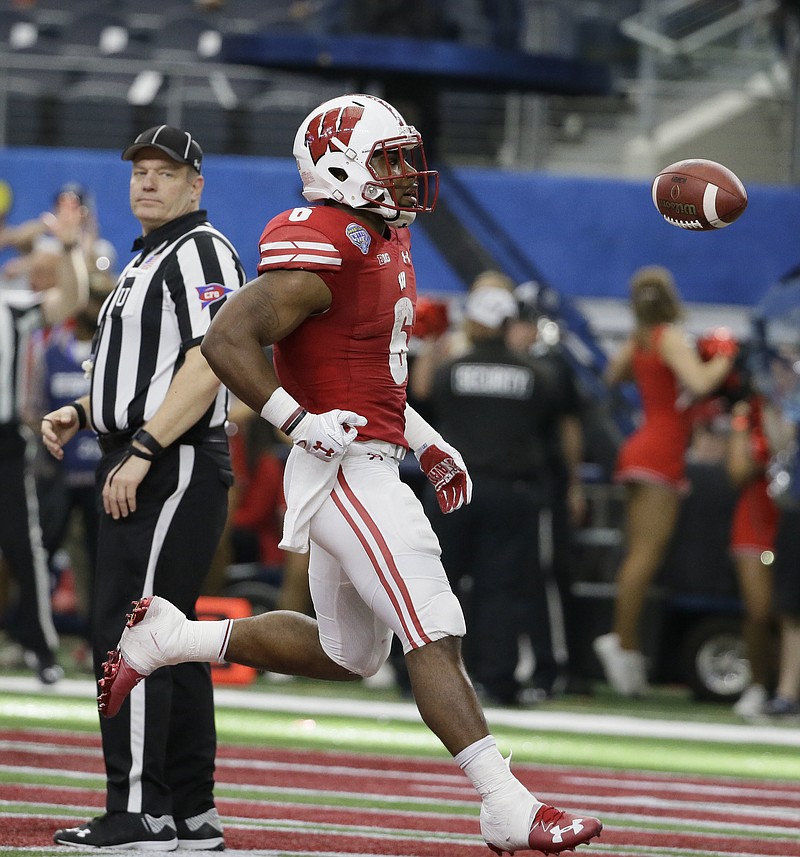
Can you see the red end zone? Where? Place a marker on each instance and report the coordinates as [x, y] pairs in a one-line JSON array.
[[301, 802]]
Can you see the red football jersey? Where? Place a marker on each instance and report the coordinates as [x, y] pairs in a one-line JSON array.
[[354, 356]]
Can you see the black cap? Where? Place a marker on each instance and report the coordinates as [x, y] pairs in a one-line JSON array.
[[179, 145]]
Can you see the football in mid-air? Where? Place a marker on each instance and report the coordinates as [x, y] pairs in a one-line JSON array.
[[699, 195]]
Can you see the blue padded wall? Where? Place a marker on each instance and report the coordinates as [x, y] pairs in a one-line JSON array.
[[583, 236]]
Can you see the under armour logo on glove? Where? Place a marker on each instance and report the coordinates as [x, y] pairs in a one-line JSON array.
[[446, 471], [327, 436]]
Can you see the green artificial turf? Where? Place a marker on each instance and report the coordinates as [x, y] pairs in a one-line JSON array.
[[369, 734]]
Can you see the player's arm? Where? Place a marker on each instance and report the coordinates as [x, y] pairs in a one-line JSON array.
[[261, 313], [698, 376]]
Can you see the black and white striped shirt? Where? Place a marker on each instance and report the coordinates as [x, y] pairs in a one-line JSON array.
[[161, 307], [20, 316]]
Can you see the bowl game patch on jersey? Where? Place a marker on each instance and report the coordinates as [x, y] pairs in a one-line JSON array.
[[359, 236]]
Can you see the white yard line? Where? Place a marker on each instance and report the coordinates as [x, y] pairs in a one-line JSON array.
[[543, 721]]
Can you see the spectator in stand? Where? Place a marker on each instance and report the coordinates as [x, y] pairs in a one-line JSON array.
[[667, 371]]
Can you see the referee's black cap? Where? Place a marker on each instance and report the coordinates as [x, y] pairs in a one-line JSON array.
[[179, 145]]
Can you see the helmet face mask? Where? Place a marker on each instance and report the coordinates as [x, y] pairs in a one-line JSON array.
[[357, 150]]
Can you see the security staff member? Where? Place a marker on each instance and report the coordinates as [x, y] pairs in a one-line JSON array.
[[567, 501], [495, 404], [21, 313], [159, 412]]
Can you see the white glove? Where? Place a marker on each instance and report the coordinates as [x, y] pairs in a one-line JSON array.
[[325, 436]]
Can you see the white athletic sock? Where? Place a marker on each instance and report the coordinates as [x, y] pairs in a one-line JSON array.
[[208, 640], [489, 772]]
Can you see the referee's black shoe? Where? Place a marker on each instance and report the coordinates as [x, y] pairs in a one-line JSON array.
[[201, 832], [122, 831]]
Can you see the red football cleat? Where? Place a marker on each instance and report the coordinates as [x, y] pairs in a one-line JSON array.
[[554, 831], [119, 678]]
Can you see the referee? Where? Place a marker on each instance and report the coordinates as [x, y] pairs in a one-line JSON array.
[[22, 312], [159, 412]]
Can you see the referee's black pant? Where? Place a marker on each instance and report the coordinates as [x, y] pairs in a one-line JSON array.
[[30, 621], [159, 750]]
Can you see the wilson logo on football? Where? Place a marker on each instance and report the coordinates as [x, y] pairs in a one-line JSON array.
[[325, 126]]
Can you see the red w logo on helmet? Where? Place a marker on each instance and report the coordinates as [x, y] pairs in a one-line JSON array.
[[335, 123]]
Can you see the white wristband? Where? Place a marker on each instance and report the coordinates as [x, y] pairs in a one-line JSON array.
[[419, 433], [283, 411]]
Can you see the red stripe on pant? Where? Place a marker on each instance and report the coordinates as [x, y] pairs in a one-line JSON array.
[[373, 528]]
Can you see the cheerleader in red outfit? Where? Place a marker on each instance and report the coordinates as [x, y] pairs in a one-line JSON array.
[[755, 523], [667, 371]]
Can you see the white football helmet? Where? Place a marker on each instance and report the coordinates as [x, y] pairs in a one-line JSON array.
[[359, 151]]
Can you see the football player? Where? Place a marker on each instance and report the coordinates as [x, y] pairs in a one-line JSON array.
[[335, 297]]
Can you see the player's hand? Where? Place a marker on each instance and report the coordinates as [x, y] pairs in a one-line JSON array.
[[119, 490], [446, 471], [327, 436], [57, 428]]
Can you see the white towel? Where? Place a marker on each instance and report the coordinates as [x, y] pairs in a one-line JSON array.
[[307, 484]]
